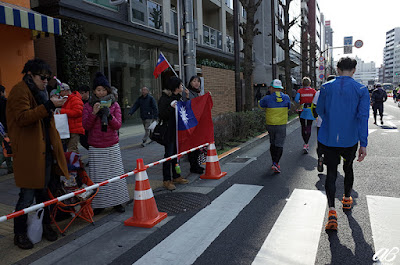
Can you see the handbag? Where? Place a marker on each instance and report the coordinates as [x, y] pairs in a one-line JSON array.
[[62, 126], [35, 226], [160, 132]]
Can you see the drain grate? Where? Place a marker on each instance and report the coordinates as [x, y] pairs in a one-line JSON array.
[[240, 160], [180, 202]]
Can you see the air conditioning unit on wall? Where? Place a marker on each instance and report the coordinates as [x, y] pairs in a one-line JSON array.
[[117, 2]]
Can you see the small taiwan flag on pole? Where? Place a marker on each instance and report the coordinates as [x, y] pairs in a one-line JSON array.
[[162, 64]]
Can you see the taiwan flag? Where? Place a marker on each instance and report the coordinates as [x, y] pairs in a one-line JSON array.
[[195, 126], [162, 64]]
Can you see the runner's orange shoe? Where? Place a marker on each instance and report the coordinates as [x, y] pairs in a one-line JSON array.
[[332, 221], [347, 203]]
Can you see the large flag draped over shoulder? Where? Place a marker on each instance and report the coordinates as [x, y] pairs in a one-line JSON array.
[[162, 64], [195, 126]]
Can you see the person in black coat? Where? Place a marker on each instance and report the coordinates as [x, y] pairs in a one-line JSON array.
[[166, 107], [148, 111], [377, 98], [3, 102]]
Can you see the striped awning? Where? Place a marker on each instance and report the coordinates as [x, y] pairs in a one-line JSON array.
[[26, 18]]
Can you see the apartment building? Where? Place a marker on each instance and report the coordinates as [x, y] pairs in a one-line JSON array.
[[264, 43], [392, 40], [396, 65], [366, 72]]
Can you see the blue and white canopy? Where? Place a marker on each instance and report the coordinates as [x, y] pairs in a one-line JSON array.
[[26, 18]]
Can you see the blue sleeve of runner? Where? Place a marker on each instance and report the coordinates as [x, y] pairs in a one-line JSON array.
[[297, 98], [362, 116]]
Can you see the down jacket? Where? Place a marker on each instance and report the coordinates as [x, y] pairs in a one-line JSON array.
[[73, 107], [27, 134], [92, 124]]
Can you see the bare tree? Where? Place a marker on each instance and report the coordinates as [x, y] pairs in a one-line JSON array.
[[285, 44], [247, 33]]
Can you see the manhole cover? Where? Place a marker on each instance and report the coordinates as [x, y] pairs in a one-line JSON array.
[[180, 202], [240, 160]]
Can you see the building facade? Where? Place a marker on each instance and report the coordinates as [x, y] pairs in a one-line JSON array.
[[124, 41], [21, 27], [392, 40], [366, 73]]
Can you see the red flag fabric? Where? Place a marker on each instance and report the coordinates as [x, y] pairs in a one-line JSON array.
[[162, 64], [195, 126]]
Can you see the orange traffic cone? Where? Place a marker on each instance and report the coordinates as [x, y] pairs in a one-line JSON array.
[[145, 212], [213, 170]]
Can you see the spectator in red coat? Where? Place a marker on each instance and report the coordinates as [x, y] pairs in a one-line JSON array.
[[73, 107]]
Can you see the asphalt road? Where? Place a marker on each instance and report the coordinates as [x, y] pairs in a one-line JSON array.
[[269, 210]]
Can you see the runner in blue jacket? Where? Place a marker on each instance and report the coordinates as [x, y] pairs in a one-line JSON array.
[[343, 105]]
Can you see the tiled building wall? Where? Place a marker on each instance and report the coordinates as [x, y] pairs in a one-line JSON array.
[[221, 84]]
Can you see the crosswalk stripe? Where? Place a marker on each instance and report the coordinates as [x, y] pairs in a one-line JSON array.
[[384, 214], [190, 240], [295, 235]]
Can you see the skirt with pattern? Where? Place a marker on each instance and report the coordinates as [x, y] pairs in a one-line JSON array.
[[104, 164]]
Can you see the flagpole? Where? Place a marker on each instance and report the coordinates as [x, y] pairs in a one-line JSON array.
[[169, 64]]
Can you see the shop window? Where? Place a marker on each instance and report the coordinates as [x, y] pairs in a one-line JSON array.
[[154, 15], [103, 3]]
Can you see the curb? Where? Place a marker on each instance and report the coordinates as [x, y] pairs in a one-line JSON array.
[[247, 145]]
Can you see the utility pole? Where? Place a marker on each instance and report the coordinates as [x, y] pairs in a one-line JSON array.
[[190, 45], [273, 39], [236, 45]]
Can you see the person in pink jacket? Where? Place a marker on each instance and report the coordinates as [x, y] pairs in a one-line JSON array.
[[102, 119]]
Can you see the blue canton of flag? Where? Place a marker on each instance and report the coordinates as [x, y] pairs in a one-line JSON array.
[[186, 117]]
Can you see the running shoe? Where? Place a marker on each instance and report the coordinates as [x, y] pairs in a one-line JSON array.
[[332, 221], [305, 148], [347, 203], [381, 122], [276, 168]]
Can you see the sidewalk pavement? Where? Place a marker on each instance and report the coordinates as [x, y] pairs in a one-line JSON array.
[[131, 149]]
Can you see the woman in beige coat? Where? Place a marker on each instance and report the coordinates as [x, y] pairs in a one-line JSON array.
[[36, 145]]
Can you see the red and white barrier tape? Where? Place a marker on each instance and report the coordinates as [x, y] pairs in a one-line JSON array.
[[92, 187]]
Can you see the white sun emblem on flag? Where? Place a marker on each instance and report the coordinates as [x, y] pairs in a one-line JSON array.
[[184, 116]]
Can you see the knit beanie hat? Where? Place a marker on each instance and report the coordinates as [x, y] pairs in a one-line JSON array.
[[100, 80]]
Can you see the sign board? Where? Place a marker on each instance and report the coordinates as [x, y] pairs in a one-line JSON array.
[[348, 41], [321, 67], [321, 76], [348, 49], [327, 23], [358, 44], [321, 59]]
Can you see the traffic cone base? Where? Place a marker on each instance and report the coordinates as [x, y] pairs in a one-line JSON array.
[[213, 169], [145, 223], [145, 212]]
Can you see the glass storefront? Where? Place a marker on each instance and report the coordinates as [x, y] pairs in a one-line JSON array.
[[131, 66]]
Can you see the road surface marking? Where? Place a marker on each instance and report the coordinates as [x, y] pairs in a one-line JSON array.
[[384, 215], [295, 235], [190, 240]]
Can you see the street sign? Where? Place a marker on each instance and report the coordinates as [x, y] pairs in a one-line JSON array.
[[321, 76], [321, 67], [348, 41], [322, 58], [358, 44], [348, 49]]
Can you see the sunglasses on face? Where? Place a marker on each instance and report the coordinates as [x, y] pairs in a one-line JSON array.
[[43, 77]]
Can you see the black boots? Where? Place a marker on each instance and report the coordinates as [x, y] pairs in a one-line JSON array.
[[22, 241]]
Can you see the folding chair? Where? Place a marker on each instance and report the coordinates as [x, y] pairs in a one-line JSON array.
[[85, 211]]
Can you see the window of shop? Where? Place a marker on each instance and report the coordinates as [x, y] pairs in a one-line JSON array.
[[131, 64], [103, 3]]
